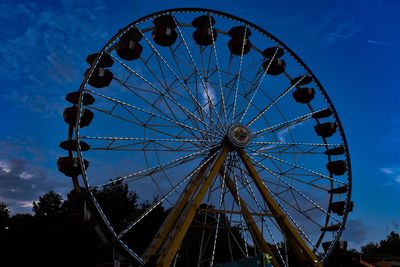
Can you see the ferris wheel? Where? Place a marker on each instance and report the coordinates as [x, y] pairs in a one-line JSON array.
[[225, 127]]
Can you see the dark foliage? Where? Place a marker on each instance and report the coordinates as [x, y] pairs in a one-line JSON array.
[[48, 238], [343, 258], [57, 235], [229, 243], [389, 247], [48, 205], [4, 214]]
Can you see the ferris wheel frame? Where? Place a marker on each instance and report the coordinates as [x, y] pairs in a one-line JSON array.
[[243, 156]]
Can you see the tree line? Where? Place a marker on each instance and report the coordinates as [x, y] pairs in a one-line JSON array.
[[54, 234], [51, 237]]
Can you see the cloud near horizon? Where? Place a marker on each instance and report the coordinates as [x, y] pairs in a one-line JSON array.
[[21, 184], [356, 232], [27, 171]]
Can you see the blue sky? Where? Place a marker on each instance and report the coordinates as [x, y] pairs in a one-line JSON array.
[[351, 46]]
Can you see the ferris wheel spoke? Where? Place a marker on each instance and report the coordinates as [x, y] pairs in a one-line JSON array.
[[186, 79], [248, 183], [290, 187], [210, 131], [198, 106], [180, 81], [229, 84], [290, 175], [254, 228], [294, 177], [247, 90], [180, 59], [169, 95], [210, 70], [155, 128], [141, 139], [126, 148], [221, 200], [229, 220], [274, 197], [153, 106], [239, 72], [289, 144], [281, 149], [156, 154], [165, 94], [286, 124], [272, 158], [276, 100], [240, 204], [205, 87], [283, 152], [258, 85], [250, 69], [141, 110], [217, 227], [298, 210], [164, 166], [297, 226], [260, 209], [245, 99], [221, 91], [143, 144], [164, 197]]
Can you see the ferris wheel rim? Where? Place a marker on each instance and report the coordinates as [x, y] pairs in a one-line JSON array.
[[228, 16]]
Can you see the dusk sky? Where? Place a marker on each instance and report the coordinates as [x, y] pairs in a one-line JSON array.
[[352, 46]]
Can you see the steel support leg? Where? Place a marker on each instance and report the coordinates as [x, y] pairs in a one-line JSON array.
[[304, 255], [254, 230], [174, 213], [175, 237]]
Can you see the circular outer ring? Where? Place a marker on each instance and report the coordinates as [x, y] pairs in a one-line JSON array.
[[126, 251]]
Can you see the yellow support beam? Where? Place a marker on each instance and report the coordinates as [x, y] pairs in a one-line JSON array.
[[302, 252], [174, 213], [254, 230], [174, 239]]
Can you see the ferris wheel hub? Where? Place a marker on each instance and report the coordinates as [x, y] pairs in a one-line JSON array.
[[238, 135]]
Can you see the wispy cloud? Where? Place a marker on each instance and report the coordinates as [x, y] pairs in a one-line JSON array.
[[26, 172], [393, 174], [19, 9], [208, 94], [22, 147], [21, 183], [336, 26], [393, 225], [377, 42], [46, 54], [283, 133], [356, 232]]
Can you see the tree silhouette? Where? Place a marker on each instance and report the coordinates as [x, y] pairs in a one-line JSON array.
[[48, 238], [389, 247], [48, 205], [343, 258], [201, 235], [4, 214], [118, 203], [370, 248], [52, 238]]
